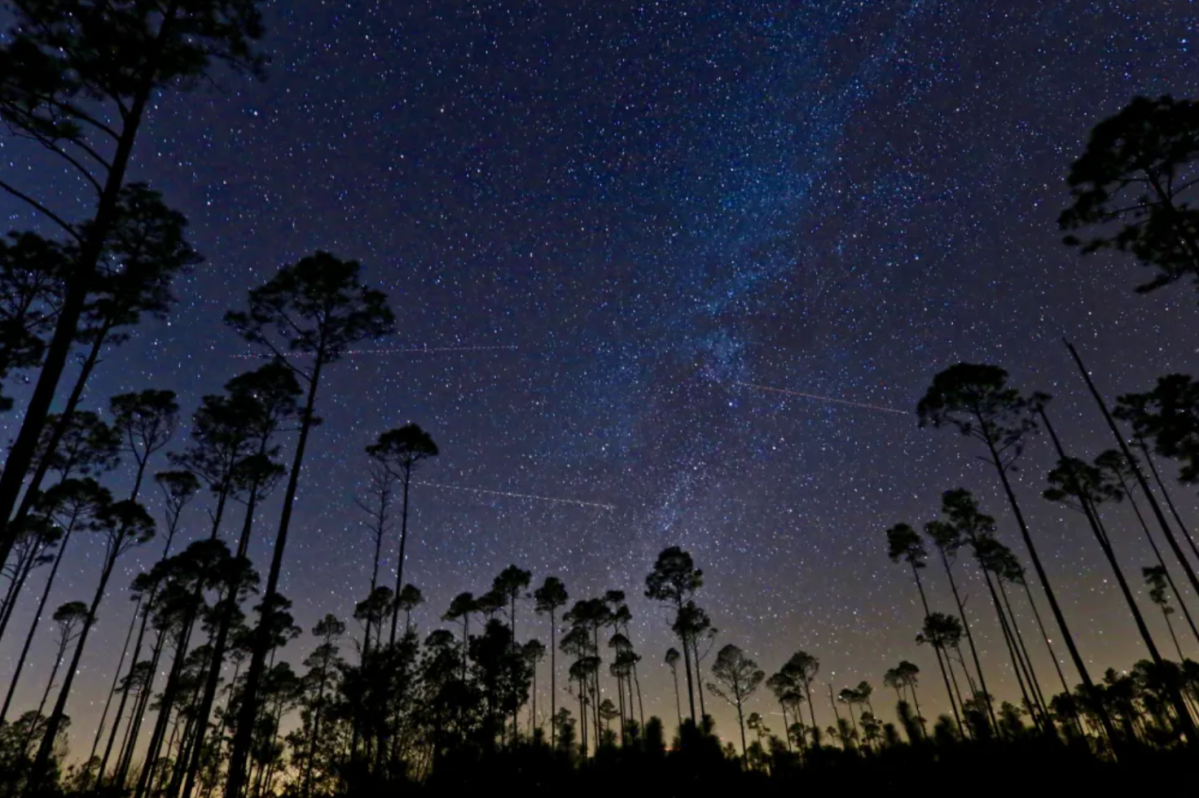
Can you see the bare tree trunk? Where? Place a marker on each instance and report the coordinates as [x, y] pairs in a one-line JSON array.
[[33, 626]]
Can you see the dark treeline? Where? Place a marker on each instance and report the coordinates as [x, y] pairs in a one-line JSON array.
[[204, 702]]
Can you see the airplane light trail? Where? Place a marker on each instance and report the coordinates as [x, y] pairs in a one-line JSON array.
[[819, 398], [511, 495], [400, 350]]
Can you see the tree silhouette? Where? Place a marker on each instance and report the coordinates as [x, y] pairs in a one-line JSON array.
[[31, 287], [83, 92], [146, 422], [69, 620], [378, 509], [263, 401], [948, 539], [672, 662], [461, 608], [86, 447], [904, 543], [144, 254], [178, 489], [401, 451], [674, 581], [1085, 483], [944, 633], [322, 665], [906, 676], [123, 525], [977, 401], [694, 623], [591, 615], [313, 310], [1155, 580], [1117, 473], [550, 598], [737, 678], [534, 652], [1134, 174]]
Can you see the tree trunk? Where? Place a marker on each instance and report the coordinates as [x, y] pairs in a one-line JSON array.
[[137, 650], [678, 707], [553, 683], [245, 725], [1030, 673], [221, 643], [699, 682], [937, 651], [167, 701], [1184, 715], [395, 610], [982, 679], [116, 678], [125, 758], [1132, 463], [1186, 532], [741, 723], [41, 764], [33, 626], [1079, 665], [1153, 544], [687, 667]]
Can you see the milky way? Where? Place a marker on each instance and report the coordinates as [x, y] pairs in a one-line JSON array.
[[596, 220]]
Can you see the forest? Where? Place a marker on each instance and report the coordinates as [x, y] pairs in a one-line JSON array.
[[205, 704]]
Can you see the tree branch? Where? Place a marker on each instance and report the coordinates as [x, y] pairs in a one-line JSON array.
[[51, 215]]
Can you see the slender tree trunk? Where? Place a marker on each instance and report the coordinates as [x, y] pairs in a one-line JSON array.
[[1186, 532], [116, 678], [936, 650], [919, 714], [553, 682], [953, 678], [982, 680], [1160, 560], [699, 682], [1174, 637], [395, 610], [1136, 469], [18, 671], [1079, 665], [41, 706], [20, 575], [220, 645], [166, 705], [1057, 666], [741, 723], [687, 667], [1030, 673], [1020, 662], [137, 650], [807, 686], [41, 764], [786, 728], [245, 726], [678, 707], [316, 729], [1188, 724], [125, 758], [620, 703]]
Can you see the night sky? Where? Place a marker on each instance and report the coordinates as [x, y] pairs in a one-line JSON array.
[[612, 219]]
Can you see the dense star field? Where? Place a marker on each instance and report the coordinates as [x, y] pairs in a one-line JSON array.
[[607, 228]]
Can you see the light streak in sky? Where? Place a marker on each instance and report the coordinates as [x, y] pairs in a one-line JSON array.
[[819, 398], [512, 495], [393, 351]]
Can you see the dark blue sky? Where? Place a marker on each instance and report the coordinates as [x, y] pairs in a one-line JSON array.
[[642, 209]]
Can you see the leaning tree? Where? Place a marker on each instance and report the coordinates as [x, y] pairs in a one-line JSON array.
[[307, 316]]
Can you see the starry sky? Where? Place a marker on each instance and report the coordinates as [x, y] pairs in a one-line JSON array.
[[611, 220]]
